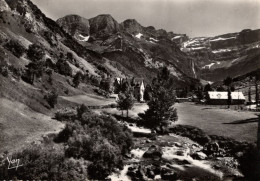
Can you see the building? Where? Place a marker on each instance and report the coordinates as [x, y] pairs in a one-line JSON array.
[[221, 98], [137, 85], [139, 91]]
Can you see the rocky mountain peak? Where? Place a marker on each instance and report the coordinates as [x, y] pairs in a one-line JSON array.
[[132, 26], [103, 25], [75, 25]]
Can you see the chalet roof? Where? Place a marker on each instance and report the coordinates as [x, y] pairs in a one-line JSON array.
[[224, 95]]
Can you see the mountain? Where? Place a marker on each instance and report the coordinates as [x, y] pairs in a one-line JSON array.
[[75, 25], [225, 55], [136, 50]]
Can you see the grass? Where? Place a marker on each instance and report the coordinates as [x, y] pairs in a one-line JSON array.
[[89, 100], [219, 121], [20, 125]]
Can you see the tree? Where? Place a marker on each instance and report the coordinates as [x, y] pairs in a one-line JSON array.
[[106, 85], [36, 67], [77, 79], [35, 52], [249, 95], [64, 67], [229, 101], [147, 93], [228, 81], [161, 110], [220, 89], [199, 93], [257, 78], [52, 98], [15, 47], [207, 88], [125, 101]]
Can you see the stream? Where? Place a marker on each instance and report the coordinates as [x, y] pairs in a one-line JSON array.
[[176, 157]]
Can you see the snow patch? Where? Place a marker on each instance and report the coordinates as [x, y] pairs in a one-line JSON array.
[[139, 35], [221, 50], [84, 38], [208, 66], [220, 39], [176, 37], [152, 39]]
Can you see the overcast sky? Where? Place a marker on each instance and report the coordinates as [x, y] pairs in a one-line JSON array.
[[193, 17]]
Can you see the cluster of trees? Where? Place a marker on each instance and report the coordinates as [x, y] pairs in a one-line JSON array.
[[160, 98], [15, 47], [99, 139]]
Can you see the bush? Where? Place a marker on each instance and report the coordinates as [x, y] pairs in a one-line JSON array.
[[35, 52], [250, 163], [63, 67], [39, 163], [77, 79], [15, 47], [52, 98], [4, 71], [45, 163], [97, 138], [66, 114]]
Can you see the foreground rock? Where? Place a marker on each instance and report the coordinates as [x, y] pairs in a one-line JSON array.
[[153, 152]]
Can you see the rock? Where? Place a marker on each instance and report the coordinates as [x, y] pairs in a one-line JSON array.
[[148, 141], [177, 144], [239, 154], [199, 156], [211, 147], [141, 173], [128, 155], [150, 174], [180, 153], [153, 152], [169, 175]]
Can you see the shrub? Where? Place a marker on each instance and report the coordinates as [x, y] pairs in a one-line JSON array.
[[39, 163], [15, 47], [66, 114], [63, 67], [250, 163], [97, 138], [35, 52], [51, 98], [4, 71], [77, 79]]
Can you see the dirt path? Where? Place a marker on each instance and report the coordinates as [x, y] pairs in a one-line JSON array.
[[241, 126], [19, 125]]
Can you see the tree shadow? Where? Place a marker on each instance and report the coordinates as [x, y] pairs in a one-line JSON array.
[[206, 108], [245, 121]]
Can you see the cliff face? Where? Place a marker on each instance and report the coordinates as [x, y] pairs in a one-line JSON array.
[[230, 54], [140, 51], [75, 25]]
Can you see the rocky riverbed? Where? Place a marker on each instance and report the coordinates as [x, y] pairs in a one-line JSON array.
[[175, 157]]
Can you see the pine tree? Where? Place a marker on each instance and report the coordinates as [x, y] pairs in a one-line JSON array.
[[77, 79], [229, 101], [161, 110], [36, 67], [125, 101]]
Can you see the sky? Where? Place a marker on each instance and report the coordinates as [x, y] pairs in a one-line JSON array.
[[192, 17]]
